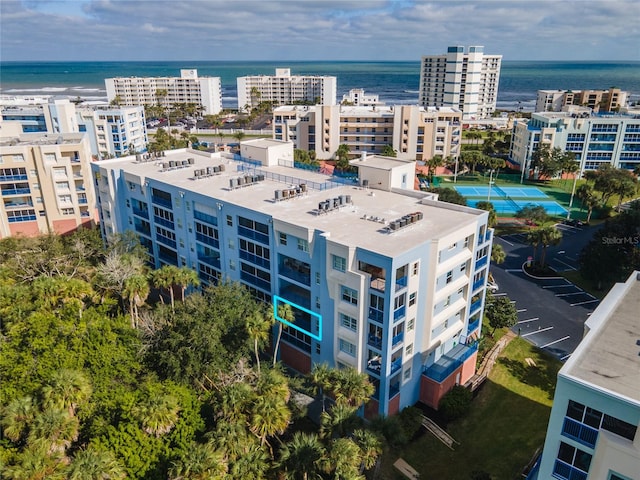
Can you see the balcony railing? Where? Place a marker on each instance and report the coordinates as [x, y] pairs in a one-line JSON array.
[[16, 191], [252, 234], [394, 390], [210, 219], [209, 260], [478, 284], [376, 315], [482, 262], [165, 202], [208, 240], [12, 178], [450, 362], [395, 365], [399, 313], [580, 432], [475, 305], [293, 274], [397, 339], [375, 342], [473, 326], [141, 213], [256, 260], [567, 472], [401, 283], [164, 222]]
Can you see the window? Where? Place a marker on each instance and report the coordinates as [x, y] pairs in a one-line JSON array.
[[449, 276], [347, 347], [463, 267], [18, 157], [411, 324], [339, 263], [232, 264], [317, 278], [574, 457], [283, 238], [407, 374], [349, 295], [412, 299], [399, 301], [348, 322], [409, 349], [414, 269], [229, 220], [303, 245]]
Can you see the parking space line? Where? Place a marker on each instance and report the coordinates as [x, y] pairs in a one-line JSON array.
[[521, 310], [555, 341], [537, 331], [498, 294], [569, 294], [562, 359], [559, 286], [530, 320], [583, 303], [508, 243]]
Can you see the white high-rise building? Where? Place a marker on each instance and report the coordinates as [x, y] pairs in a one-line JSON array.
[[285, 89], [187, 88], [467, 81]]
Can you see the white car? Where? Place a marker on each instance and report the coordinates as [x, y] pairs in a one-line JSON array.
[[492, 286]]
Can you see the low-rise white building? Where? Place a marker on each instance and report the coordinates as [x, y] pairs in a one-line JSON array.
[[187, 88], [597, 100], [284, 89], [415, 133]]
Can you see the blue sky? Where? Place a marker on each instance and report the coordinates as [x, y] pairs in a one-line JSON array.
[[67, 30]]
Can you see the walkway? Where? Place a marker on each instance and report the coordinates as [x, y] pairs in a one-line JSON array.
[[489, 360]]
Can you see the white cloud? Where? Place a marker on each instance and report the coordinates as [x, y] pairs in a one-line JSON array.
[[317, 30]]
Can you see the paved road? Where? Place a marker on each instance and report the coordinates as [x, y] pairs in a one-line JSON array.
[[551, 311]]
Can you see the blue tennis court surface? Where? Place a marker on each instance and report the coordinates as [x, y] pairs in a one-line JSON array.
[[507, 207], [513, 192]]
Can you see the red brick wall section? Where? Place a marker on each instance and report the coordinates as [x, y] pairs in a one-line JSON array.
[[431, 391], [28, 229], [371, 409], [394, 405], [294, 358], [64, 226], [468, 369]]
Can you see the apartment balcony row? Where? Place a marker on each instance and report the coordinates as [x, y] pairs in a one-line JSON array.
[[450, 362], [13, 178]]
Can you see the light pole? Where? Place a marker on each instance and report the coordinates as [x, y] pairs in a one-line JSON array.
[[490, 184], [455, 172]]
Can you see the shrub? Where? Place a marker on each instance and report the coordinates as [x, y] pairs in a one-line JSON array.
[[455, 403]]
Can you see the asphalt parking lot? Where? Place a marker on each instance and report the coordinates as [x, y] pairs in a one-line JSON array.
[[551, 310]]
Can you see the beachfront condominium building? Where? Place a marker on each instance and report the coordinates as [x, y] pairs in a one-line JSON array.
[[113, 131], [595, 139], [380, 277], [284, 89], [415, 133], [466, 81], [188, 88], [45, 181], [593, 428], [356, 97], [598, 100]]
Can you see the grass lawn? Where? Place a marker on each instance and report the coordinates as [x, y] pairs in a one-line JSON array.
[[501, 433], [586, 285]]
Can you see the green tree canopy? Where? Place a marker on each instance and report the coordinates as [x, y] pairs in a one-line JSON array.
[[500, 312]]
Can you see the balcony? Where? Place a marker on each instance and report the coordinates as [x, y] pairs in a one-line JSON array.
[[567, 472], [401, 282], [450, 362], [208, 240], [12, 178], [473, 326], [210, 219], [399, 313], [376, 315], [299, 275], [141, 213], [209, 260], [475, 305], [252, 234], [164, 222], [256, 260], [580, 432], [397, 339], [375, 342], [478, 284], [165, 202], [394, 390], [482, 262], [396, 365], [15, 191]]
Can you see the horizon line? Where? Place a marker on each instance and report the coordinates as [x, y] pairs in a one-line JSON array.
[[303, 61]]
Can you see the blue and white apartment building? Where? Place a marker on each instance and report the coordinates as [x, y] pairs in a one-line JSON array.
[[381, 277], [593, 428]]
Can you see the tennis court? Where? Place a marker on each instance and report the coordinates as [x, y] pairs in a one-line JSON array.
[[513, 192], [510, 207]]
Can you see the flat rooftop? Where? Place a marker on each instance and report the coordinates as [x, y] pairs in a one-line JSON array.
[[364, 222], [41, 139], [609, 355]]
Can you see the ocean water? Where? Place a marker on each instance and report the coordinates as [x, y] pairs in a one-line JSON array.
[[395, 82]]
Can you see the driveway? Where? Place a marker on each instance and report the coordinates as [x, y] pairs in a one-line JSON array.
[[551, 310]]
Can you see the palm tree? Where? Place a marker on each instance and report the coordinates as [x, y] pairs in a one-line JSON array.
[[388, 151], [488, 206], [342, 156], [136, 290], [66, 390], [258, 327], [498, 254], [158, 414], [370, 448], [270, 416], [285, 312], [321, 375], [165, 277], [353, 388], [254, 463], [95, 464], [345, 459], [239, 135], [303, 458], [36, 463], [186, 277], [550, 235], [54, 429], [588, 198], [533, 239], [340, 421], [231, 437], [201, 461], [17, 416], [432, 164]]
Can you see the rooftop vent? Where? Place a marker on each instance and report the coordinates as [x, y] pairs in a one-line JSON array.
[[245, 181], [331, 204], [404, 221]]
